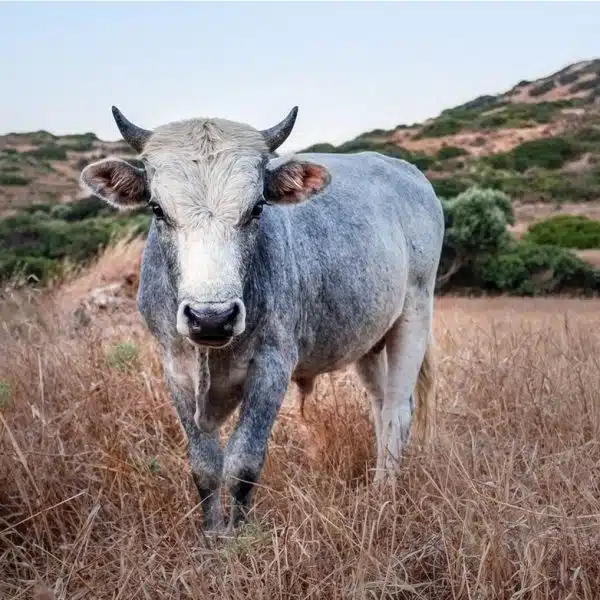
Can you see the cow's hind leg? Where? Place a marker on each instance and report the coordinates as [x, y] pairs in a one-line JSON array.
[[372, 369], [406, 345]]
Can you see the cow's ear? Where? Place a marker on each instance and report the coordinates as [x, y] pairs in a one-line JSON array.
[[295, 181], [117, 182]]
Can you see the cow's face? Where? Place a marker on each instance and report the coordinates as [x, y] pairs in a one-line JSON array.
[[207, 183]]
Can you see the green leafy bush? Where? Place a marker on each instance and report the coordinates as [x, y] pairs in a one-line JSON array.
[[548, 153], [13, 180], [477, 220], [530, 269], [50, 151], [441, 127], [586, 84], [569, 77], [322, 147], [123, 356], [568, 231], [542, 88], [450, 186], [37, 242], [84, 208], [447, 152]]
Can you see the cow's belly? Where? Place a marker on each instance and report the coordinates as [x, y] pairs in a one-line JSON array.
[[351, 316]]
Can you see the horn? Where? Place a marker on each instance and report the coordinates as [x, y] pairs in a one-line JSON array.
[[276, 135], [135, 136]]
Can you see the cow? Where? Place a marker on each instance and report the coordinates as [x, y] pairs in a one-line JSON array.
[[260, 270]]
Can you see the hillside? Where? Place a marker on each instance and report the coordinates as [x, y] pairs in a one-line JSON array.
[[536, 148], [40, 167], [538, 141]]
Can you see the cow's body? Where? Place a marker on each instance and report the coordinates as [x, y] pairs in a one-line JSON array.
[[345, 277]]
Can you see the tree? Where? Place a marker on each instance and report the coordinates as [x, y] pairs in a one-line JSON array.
[[476, 222]]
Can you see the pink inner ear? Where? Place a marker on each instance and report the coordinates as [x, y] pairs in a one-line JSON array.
[[123, 180], [314, 178]]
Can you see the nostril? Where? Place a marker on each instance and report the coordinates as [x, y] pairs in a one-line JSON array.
[[192, 317]]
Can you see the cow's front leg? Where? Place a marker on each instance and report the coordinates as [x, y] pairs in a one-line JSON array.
[[267, 382], [188, 379]]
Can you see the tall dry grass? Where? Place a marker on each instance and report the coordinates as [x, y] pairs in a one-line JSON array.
[[96, 500]]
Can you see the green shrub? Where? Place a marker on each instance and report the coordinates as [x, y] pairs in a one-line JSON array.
[[548, 153], [441, 127], [590, 133], [580, 86], [79, 146], [123, 356], [447, 152], [5, 394], [37, 242], [85, 208], [423, 162], [542, 88], [41, 269], [531, 269], [569, 77], [324, 147], [477, 220], [50, 151], [450, 186], [567, 231], [13, 180]]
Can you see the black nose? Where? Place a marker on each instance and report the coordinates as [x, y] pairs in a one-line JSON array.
[[208, 323]]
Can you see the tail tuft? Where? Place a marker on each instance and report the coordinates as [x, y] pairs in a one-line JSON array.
[[425, 395]]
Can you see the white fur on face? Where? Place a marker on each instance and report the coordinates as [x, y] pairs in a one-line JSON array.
[[206, 178], [209, 262]]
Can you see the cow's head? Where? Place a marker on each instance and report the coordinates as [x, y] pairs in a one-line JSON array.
[[207, 182]]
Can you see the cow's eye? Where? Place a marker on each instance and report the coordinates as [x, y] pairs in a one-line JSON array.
[[157, 210], [257, 210]]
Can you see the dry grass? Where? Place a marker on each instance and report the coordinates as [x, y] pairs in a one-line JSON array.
[[96, 500]]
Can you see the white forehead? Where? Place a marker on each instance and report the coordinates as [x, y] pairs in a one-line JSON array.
[[205, 165]]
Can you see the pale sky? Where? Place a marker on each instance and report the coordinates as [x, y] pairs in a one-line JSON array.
[[349, 66]]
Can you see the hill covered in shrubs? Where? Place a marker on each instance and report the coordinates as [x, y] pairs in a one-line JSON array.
[[536, 144], [480, 253]]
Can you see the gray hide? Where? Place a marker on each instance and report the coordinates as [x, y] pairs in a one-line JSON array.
[[339, 268]]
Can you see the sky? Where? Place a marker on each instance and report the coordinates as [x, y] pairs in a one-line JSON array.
[[348, 66]]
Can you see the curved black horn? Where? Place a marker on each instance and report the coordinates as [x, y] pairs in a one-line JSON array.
[[276, 135], [135, 136]]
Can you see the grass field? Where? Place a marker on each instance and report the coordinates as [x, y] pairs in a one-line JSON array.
[[96, 498]]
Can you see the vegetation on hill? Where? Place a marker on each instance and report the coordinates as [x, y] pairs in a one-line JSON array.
[[40, 242], [538, 142], [479, 253]]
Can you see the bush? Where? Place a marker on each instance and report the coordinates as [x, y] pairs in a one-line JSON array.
[[324, 147], [450, 187], [531, 269], [50, 151], [41, 269], [441, 127], [542, 88], [477, 220], [13, 180], [84, 208], [548, 153], [567, 231], [38, 243], [581, 86], [567, 78], [447, 152]]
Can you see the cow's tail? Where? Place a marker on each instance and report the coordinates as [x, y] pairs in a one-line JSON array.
[[424, 395]]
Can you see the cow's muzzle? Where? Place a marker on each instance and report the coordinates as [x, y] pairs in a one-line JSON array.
[[211, 324]]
